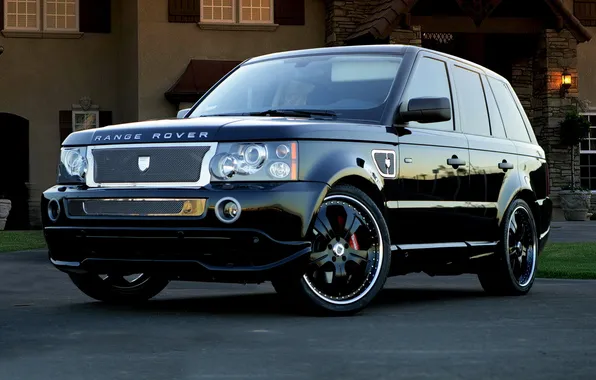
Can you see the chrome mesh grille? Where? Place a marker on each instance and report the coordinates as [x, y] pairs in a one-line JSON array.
[[142, 208], [179, 164]]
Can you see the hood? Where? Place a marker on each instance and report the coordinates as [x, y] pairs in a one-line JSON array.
[[215, 129]]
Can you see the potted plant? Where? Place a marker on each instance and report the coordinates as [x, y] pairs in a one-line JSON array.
[[575, 200], [5, 206]]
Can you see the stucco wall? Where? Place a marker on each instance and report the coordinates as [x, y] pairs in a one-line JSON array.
[[586, 56], [128, 63], [41, 76], [166, 48]]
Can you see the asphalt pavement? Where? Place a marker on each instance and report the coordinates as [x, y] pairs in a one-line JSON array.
[[419, 328]]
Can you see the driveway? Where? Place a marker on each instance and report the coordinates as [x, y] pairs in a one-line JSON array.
[[420, 328], [573, 232]]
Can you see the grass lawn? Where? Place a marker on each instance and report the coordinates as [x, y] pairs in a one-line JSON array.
[[21, 240], [559, 260]]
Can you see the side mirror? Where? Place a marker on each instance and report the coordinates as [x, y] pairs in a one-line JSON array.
[[182, 113], [426, 110]]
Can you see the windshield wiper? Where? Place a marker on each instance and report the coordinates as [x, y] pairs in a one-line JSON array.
[[294, 112]]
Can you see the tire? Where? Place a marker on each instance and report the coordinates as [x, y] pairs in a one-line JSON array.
[[358, 273], [513, 271], [116, 289]]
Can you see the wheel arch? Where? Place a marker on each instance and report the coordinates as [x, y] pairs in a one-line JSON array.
[[366, 185], [530, 198]]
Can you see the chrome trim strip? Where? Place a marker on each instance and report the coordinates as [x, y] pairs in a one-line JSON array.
[[543, 235], [385, 151], [205, 176], [467, 244], [439, 204], [482, 255], [73, 264]]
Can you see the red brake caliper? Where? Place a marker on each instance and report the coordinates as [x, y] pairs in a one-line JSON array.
[[353, 240]]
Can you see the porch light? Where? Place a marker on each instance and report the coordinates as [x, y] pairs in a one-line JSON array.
[[565, 82]]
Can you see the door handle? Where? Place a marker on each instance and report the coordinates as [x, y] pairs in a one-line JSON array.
[[455, 161], [504, 165]]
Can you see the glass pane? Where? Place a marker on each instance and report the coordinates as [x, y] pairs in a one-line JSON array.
[[430, 79], [11, 21], [585, 171], [71, 22], [12, 7], [514, 123], [208, 13], [207, 2], [70, 9], [584, 159], [227, 14], [51, 22], [584, 145], [473, 112], [22, 7], [593, 120], [217, 3], [217, 13], [592, 172], [265, 14], [585, 182], [256, 14], [245, 14], [31, 8]]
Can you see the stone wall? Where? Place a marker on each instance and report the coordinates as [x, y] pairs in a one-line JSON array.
[[556, 51], [522, 82], [411, 36]]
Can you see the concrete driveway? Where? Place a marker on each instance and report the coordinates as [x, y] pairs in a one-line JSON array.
[[420, 328], [573, 232]]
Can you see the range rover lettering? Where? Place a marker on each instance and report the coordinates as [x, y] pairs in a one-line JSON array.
[[324, 171]]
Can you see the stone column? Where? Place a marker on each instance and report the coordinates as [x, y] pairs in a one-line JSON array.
[[342, 18], [522, 82], [557, 51], [412, 36]]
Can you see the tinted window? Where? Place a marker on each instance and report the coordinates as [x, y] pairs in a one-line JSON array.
[[472, 104], [514, 123], [496, 123], [352, 86], [430, 80]]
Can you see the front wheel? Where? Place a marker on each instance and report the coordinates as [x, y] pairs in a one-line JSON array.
[[514, 270], [350, 259], [117, 289]]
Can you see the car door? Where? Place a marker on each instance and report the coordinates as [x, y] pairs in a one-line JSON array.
[[493, 158], [433, 168]]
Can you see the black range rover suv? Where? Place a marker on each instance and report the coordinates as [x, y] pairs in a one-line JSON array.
[[323, 171]]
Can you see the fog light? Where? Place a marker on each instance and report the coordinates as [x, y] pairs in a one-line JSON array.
[[54, 210], [228, 210]]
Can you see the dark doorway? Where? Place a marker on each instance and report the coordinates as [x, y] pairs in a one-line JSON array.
[[14, 168], [496, 52]]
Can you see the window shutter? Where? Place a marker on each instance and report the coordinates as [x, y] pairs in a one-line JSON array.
[[585, 11], [65, 122], [1, 14], [105, 118], [289, 12], [95, 16], [188, 11]]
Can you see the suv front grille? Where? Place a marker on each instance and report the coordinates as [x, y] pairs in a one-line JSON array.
[[150, 164]]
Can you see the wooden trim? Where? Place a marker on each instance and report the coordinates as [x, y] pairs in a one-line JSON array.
[[441, 24], [238, 27], [585, 11], [37, 34]]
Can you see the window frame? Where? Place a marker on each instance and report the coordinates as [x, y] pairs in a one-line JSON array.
[[42, 6], [589, 151], [80, 112], [406, 96], [54, 30], [459, 91], [23, 29], [237, 15]]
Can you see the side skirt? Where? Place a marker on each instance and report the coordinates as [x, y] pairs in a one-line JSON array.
[[446, 259]]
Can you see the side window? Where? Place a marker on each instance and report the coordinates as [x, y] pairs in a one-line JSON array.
[[514, 123], [430, 79], [496, 123], [472, 104]]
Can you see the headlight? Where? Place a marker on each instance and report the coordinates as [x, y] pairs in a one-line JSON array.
[[272, 161], [73, 165]]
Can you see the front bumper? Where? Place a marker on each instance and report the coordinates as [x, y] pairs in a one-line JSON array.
[[272, 232]]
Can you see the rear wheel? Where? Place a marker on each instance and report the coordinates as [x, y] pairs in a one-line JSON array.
[[514, 269], [119, 289], [350, 259]]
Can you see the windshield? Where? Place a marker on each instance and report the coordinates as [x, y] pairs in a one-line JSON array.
[[343, 86]]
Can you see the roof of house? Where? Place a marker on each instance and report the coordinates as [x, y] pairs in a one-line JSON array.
[[390, 13]]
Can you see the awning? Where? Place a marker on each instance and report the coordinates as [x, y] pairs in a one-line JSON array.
[[198, 78]]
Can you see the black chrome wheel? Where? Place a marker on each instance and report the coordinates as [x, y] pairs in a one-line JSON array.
[[347, 250], [522, 246], [121, 289], [514, 269], [350, 254]]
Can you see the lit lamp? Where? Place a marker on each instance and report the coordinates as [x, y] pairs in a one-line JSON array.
[[565, 82]]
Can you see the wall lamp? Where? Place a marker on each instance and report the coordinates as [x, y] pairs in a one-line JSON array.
[[565, 83]]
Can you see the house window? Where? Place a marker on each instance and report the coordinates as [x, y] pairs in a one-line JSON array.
[[37, 15], [588, 157], [21, 14], [82, 120], [229, 11]]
